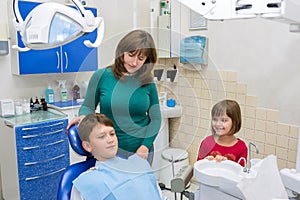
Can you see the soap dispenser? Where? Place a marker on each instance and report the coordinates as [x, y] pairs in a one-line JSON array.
[[49, 94]]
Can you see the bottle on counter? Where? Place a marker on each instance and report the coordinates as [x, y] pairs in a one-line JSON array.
[[26, 106], [31, 104], [18, 107], [49, 94], [36, 100], [76, 91], [36, 104], [44, 104], [63, 90]]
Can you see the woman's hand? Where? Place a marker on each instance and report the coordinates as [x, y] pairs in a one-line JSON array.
[[75, 120], [143, 152]]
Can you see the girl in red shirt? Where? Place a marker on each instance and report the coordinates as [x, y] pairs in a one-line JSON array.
[[223, 144]]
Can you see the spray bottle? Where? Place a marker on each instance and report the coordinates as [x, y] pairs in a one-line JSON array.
[[63, 90]]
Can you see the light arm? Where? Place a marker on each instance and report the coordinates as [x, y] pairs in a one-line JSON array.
[[100, 35]]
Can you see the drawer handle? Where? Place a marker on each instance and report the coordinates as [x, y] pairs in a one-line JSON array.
[[49, 144], [44, 134], [37, 127], [45, 175], [44, 161]]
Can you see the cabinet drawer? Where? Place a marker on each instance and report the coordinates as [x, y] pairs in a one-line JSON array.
[[42, 153], [42, 138], [40, 133], [34, 170], [44, 187]]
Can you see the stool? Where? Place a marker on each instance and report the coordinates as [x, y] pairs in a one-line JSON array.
[[172, 160]]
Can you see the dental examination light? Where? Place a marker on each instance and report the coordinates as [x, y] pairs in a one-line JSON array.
[[51, 24], [286, 11]]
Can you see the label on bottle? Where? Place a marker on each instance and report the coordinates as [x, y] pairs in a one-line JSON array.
[[51, 98], [64, 96]]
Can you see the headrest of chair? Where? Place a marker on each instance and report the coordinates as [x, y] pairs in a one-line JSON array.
[[75, 141]]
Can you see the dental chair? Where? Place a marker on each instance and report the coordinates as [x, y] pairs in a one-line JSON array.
[[74, 170]]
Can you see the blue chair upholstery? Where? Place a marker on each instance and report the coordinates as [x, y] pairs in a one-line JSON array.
[[74, 170], [75, 141]]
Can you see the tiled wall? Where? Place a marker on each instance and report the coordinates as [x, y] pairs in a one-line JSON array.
[[198, 90]]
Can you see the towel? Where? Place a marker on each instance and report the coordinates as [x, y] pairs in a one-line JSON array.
[[263, 181]]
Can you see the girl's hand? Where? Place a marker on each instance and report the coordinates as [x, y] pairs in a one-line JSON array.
[[219, 158], [75, 120], [209, 158], [143, 152]]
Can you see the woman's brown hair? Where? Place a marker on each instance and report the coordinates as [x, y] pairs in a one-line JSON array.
[[136, 42]]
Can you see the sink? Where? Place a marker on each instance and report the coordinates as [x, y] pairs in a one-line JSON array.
[[210, 172], [291, 179], [170, 112], [224, 176], [262, 182]]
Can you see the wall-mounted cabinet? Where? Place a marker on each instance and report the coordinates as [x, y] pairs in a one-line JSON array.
[[169, 32], [164, 36], [72, 57]]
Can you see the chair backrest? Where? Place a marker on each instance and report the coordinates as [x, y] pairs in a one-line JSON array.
[[74, 170], [75, 141]]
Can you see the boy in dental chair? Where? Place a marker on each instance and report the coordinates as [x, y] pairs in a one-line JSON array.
[[112, 178]]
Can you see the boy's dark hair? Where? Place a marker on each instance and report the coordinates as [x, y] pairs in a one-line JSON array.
[[232, 109], [89, 122]]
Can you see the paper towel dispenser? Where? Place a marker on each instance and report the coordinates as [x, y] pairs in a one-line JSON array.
[[193, 49]]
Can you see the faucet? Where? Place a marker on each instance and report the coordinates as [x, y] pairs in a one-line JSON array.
[[245, 163], [249, 152], [163, 98]]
